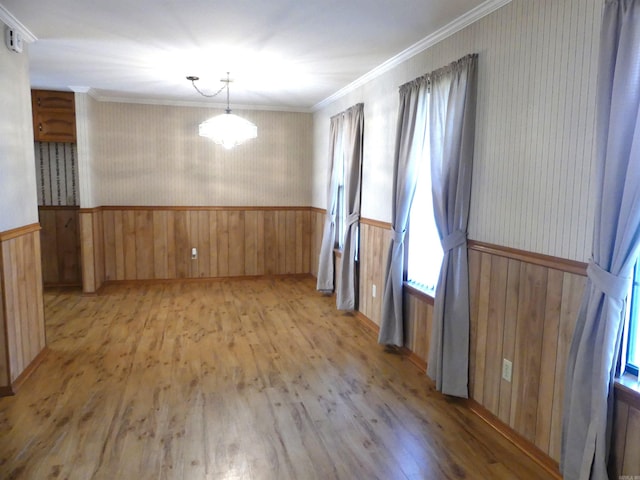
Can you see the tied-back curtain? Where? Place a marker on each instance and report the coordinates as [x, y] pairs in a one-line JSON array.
[[353, 126], [325, 260], [410, 139], [452, 134], [616, 241]]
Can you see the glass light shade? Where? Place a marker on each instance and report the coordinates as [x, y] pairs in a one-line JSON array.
[[228, 130]]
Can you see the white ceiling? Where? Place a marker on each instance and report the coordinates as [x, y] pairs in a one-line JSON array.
[[285, 54]]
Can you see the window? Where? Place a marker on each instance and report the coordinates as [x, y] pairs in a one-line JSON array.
[[339, 175], [341, 213], [341, 207], [631, 339], [424, 255]]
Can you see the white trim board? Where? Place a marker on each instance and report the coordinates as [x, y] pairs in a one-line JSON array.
[[8, 19]]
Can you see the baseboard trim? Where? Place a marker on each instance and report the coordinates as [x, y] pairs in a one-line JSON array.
[[369, 324], [53, 286], [520, 442], [6, 392], [26, 373], [524, 445]]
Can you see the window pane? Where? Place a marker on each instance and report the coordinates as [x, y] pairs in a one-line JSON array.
[[425, 251], [633, 336], [340, 217], [634, 351]]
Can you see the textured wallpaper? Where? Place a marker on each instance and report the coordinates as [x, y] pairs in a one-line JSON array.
[[85, 106], [57, 173], [152, 155], [18, 198], [533, 171]]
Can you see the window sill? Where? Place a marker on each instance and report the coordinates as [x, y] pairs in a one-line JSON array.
[[627, 390], [418, 293]]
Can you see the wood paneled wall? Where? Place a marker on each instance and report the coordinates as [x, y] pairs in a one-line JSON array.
[[22, 334], [523, 308], [60, 240], [525, 313], [625, 449], [418, 312], [374, 245], [150, 243], [92, 249], [317, 225]]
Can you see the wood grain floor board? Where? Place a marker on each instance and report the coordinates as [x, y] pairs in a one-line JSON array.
[[237, 379]]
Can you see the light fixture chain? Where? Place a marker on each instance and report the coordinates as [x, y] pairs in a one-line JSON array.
[[193, 82], [226, 129], [228, 81]]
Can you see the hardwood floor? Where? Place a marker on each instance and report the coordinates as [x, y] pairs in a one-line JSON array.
[[235, 379]]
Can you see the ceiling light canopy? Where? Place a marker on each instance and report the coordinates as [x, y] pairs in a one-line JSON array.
[[226, 129]]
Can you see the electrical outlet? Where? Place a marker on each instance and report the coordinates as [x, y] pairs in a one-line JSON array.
[[507, 368], [373, 290], [194, 253]]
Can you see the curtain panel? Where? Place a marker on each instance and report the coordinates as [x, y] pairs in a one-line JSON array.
[[452, 139], [345, 159], [325, 259], [452, 134], [410, 140], [588, 402], [346, 298]]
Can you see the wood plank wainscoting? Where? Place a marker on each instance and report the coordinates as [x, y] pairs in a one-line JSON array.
[[155, 243], [92, 249], [317, 225], [22, 333], [60, 242], [523, 308]]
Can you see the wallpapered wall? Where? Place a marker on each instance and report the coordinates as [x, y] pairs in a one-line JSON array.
[[17, 177], [57, 173], [85, 106], [533, 172], [152, 155]]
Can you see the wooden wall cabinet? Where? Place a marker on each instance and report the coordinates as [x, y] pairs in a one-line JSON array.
[[54, 116]]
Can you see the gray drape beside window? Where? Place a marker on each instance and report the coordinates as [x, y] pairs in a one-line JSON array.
[[410, 138], [346, 298], [346, 132], [452, 134], [325, 260], [616, 241]]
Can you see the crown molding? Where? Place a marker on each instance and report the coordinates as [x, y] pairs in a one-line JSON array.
[[8, 19], [458, 24], [79, 89]]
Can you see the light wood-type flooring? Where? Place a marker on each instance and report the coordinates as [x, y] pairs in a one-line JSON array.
[[235, 379]]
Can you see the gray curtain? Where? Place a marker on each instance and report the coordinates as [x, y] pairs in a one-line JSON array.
[[346, 298], [410, 137], [325, 260], [452, 134], [616, 241]]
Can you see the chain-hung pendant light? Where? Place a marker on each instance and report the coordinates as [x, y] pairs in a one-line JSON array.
[[226, 129]]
